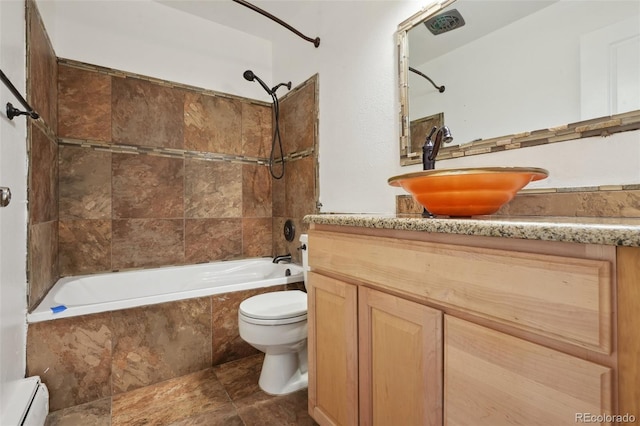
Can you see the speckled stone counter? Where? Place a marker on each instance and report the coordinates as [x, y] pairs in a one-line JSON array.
[[607, 231]]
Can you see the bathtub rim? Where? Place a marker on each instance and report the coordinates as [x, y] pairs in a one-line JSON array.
[[42, 312]]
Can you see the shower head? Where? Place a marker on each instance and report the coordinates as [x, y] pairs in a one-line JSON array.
[[250, 76], [287, 85]]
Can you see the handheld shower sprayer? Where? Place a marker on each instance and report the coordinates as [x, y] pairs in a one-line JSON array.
[[250, 76]]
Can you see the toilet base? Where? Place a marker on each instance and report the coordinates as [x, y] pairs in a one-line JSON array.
[[284, 373]]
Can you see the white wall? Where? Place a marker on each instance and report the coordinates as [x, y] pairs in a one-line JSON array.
[[356, 62], [359, 113], [13, 218], [149, 38]]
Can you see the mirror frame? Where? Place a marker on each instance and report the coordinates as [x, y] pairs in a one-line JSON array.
[[600, 126]]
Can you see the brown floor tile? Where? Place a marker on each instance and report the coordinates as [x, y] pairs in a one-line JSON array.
[[224, 415], [193, 396], [224, 395], [240, 378], [96, 413], [281, 410]]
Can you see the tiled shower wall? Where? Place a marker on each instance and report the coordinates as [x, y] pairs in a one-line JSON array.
[[43, 159], [153, 173], [136, 207]]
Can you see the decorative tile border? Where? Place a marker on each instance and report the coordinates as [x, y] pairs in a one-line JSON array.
[[603, 126], [177, 153]]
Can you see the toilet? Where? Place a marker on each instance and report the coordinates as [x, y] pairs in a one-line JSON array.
[[276, 324]]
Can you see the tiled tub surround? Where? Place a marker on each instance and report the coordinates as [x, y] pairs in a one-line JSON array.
[[137, 194], [90, 357], [43, 158]]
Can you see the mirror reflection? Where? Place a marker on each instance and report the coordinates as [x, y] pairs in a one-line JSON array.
[[516, 65]]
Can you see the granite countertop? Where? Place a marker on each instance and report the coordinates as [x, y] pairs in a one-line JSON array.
[[586, 230]]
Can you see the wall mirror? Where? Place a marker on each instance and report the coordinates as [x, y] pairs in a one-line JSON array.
[[513, 67]]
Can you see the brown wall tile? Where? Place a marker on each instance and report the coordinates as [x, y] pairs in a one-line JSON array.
[[84, 104], [85, 183], [160, 342], [42, 69], [301, 187], [212, 124], [256, 191], [279, 194], [257, 130], [212, 189], [145, 113], [73, 358], [138, 243], [146, 186], [43, 171], [581, 203], [257, 237], [43, 260], [207, 240], [298, 118], [84, 246]]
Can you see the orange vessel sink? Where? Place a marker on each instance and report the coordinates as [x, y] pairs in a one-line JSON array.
[[467, 191]]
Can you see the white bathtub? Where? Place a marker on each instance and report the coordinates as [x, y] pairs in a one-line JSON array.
[[87, 294]]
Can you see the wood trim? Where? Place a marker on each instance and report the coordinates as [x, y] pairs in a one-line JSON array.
[[565, 298], [629, 331]]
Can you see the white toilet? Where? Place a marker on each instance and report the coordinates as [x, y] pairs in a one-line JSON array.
[[276, 324]]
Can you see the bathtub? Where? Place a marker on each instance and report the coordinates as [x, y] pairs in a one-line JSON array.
[[87, 294]]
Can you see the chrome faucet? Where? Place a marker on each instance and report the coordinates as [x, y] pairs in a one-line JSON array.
[[431, 147], [283, 258]]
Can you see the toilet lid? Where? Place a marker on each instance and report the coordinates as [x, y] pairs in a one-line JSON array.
[[275, 305]]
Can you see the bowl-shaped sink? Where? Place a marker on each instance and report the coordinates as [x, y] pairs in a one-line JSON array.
[[467, 191]]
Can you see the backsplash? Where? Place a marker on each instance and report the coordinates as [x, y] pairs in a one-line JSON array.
[[618, 201]]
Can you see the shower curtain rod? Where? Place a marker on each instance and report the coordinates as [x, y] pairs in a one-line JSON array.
[[11, 110], [315, 41], [440, 88]]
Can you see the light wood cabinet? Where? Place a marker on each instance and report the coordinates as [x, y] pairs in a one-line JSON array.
[[492, 378], [385, 331], [333, 351], [534, 332], [395, 332]]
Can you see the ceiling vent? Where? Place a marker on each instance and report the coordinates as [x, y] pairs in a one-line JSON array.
[[445, 21]]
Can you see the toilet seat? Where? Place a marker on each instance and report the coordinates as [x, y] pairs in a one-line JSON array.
[[278, 307]]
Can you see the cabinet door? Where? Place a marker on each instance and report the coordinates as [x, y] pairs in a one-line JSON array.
[[333, 351], [491, 379], [400, 361]]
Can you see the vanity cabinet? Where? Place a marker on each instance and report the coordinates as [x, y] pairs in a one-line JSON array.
[[419, 328], [374, 358], [496, 379]]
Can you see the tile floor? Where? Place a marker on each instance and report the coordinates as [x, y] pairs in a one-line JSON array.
[[227, 394]]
